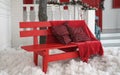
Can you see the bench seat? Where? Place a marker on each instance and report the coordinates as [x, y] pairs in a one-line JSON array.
[[40, 47]]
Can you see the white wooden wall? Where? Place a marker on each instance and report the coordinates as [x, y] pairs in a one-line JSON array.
[[111, 16], [5, 28], [16, 17]]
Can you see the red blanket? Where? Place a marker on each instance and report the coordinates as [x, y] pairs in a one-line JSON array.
[[88, 48]]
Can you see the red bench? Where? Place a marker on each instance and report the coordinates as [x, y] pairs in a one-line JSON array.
[[51, 42]]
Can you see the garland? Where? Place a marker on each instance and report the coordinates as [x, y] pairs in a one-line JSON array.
[[65, 3], [78, 2]]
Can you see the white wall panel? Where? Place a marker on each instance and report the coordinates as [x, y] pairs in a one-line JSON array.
[[111, 16], [5, 26], [16, 17]]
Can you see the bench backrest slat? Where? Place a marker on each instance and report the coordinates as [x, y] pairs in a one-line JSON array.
[[33, 33], [34, 29], [34, 24]]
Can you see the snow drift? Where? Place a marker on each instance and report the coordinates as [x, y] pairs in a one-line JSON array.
[[20, 62]]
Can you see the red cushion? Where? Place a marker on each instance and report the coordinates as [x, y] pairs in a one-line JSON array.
[[61, 33], [78, 34]]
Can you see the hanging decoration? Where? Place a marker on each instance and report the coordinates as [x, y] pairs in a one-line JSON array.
[[65, 7]]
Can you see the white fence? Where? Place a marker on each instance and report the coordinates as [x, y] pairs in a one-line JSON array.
[[57, 12], [54, 12]]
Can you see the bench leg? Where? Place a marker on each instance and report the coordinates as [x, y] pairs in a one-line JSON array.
[[36, 58], [45, 61]]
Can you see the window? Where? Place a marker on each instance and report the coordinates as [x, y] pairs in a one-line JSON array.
[[116, 3]]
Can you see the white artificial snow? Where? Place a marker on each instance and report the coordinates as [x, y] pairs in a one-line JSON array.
[[20, 62]]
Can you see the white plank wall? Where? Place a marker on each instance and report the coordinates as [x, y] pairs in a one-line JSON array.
[[5, 29]]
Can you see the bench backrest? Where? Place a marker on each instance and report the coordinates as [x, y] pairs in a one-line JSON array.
[[34, 29], [46, 31]]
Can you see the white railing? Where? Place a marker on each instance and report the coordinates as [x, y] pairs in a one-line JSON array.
[[54, 12]]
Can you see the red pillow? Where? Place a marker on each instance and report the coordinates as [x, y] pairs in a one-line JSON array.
[[78, 34], [61, 33]]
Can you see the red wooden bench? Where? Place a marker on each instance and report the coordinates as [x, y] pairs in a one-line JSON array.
[[51, 42]]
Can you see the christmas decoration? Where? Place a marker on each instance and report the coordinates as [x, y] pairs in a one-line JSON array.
[[65, 7]]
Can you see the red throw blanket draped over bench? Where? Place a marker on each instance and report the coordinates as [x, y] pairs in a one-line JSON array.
[[87, 48]]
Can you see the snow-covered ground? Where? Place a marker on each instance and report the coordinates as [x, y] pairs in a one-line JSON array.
[[19, 62]]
